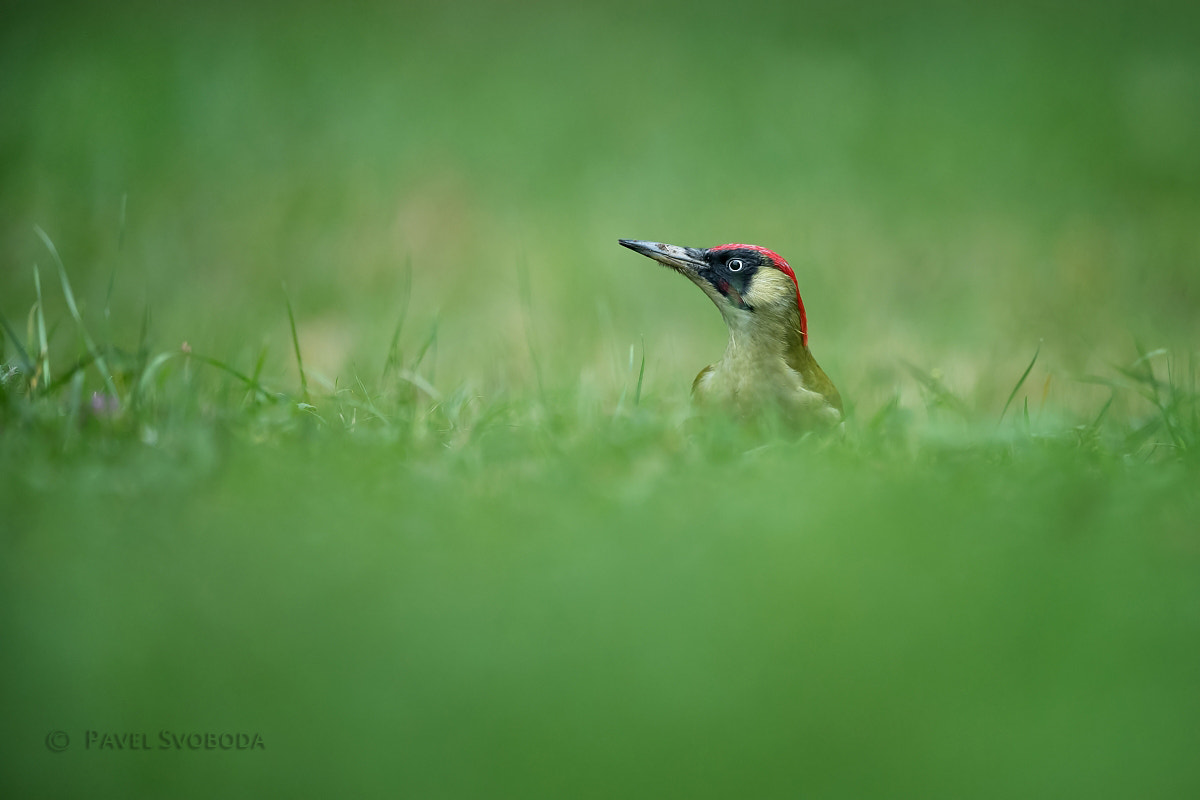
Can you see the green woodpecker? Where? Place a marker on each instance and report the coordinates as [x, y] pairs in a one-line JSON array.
[[767, 364]]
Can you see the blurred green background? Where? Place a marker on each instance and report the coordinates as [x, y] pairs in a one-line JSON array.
[[952, 184], [549, 599]]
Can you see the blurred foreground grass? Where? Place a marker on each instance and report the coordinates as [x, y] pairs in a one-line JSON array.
[[619, 619], [479, 550]]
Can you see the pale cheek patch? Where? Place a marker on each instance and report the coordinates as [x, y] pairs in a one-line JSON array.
[[769, 287]]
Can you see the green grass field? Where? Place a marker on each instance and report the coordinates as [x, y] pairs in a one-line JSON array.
[[331, 411]]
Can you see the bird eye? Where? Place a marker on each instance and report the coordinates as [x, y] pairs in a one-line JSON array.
[[735, 265]]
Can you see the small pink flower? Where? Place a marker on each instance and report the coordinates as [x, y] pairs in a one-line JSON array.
[[104, 405]]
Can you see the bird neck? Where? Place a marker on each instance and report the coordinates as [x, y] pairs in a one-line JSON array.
[[768, 334], [770, 341]]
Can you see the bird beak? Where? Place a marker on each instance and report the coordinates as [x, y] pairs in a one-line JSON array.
[[691, 262], [687, 260]]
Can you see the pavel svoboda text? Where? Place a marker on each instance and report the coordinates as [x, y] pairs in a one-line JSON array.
[[170, 740]]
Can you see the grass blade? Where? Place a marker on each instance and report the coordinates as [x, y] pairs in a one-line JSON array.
[[85, 361], [247, 380], [941, 395], [97, 356], [152, 369], [416, 380], [26, 364], [885, 415], [1095, 425], [112, 284], [370, 403], [1193, 397], [259, 363], [121, 222], [296, 346], [637, 394], [430, 343], [144, 333], [625, 385], [1017, 388], [40, 317], [527, 307], [393, 354]]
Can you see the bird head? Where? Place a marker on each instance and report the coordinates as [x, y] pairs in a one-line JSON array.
[[744, 280]]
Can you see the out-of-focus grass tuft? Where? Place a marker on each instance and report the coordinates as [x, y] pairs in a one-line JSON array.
[[137, 392]]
